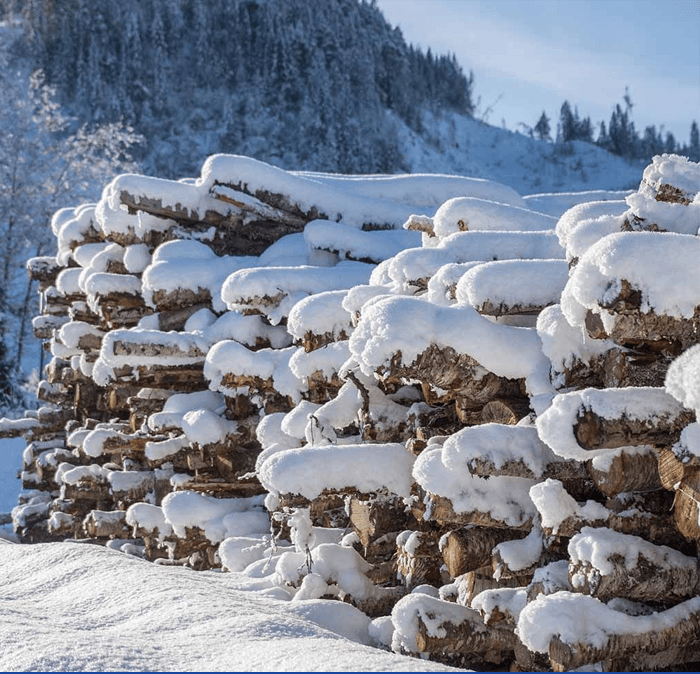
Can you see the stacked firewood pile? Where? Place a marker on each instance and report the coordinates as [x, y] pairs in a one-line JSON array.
[[478, 429]]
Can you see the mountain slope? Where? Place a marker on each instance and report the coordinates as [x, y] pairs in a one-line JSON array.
[[301, 84], [454, 143]]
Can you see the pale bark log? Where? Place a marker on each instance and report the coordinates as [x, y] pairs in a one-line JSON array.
[[470, 636], [470, 548], [375, 518], [628, 472], [442, 512], [100, 524], [595, 432], [627, 647]]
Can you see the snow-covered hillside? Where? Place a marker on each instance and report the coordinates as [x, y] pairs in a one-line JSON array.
[[454, 143]]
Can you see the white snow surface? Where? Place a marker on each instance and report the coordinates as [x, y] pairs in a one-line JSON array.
[[575, 216], [513, 283], [320, 313], [499, 443], [557, 203], [355, 244], [470, 213], [578, 618], [416, 263], [424, 191], [366, 467], [117, 612], [683, 378], [285, 286]]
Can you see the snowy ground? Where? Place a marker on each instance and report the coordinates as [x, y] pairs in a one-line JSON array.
[[79, 607]]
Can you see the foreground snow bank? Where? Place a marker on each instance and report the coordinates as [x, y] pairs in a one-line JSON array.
[[88, 608]]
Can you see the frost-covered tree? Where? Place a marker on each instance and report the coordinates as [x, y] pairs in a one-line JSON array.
[[45, 162]]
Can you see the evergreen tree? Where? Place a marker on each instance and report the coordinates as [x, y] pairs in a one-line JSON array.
[[650, 143], [603, 139], [567, 124], [694, 147], [542, 128], [670, 143]]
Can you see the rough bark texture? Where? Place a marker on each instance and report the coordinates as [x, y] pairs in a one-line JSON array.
[[628, 472], [595, 432], [626, 647], [470, 548], [647, 581]]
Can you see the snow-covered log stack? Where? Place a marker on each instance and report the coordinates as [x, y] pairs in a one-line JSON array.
[[479, 424]]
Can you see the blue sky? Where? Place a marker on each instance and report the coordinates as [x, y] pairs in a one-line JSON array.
[[537, 53]]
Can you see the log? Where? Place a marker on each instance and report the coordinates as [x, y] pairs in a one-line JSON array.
[[607, 565], [181, 378], [106, 524], [680, 639], [470, 548], [156, 350], [636, 365], [225, 489], [489, 308], [501, 607], [327, 510], [595, 432], [440, 510], [272, 400], [45, 326], [470, 636], [254, 221], [475, 582], [628, 471], [492, 399], [672, 469], [379, 604], [44, 270], [564, 469], [176, 317], [87, 493], [116, 315], [658, 529], [313, 341], [418, 559], [446, 375], [174, 305], [505, 411], [373, 519], [686, 505], [644, 330]]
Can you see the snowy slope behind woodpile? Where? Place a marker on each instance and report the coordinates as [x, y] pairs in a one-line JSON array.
[[454, 143]]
